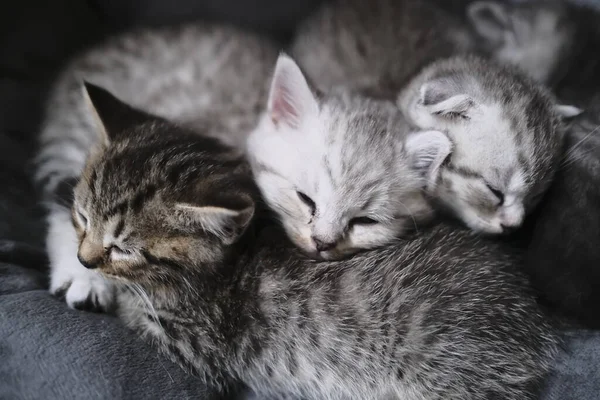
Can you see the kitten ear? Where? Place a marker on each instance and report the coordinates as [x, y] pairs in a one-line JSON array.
[[427, 150], [290, 97], [439, 98], [111, 116], [225, 223], [566, 112], [491, 20]]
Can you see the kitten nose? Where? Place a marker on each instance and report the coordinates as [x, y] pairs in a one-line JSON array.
[[323, 246], [89, 264]]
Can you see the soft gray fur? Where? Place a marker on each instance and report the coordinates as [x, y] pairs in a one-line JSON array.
[[535, 35], [213, 79], [375, 46], [506, 134], [554, 41], [445, 316], [335, 168]]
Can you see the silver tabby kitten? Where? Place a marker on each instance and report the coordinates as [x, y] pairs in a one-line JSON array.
[[375, 46], [554, 41], [335, 168], [444, 316], [506, 134], [210, 78]]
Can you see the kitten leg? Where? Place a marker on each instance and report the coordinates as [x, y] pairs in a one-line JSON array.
[[82, 288]]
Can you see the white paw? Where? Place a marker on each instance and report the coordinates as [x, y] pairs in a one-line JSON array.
[[82, 288]]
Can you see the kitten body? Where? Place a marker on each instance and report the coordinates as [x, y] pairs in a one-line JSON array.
[[506, 135], [444, 316], [336, 168], [556, 42], [563, 257], [210, 78], [375, 46]]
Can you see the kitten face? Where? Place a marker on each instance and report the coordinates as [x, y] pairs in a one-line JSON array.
[[532, 35], [335, 170], [506, 139], [153, 197]]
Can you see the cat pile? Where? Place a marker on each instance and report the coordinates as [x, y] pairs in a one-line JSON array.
[[285, 218]]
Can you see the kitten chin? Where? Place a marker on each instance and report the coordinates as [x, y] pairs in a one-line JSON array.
[[344, 173], [506, 136]]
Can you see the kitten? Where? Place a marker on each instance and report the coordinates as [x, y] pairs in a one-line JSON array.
[[529, 34], [563, 257], [213, 79], [336, 169], [171, 216], [375, 46], [506, 138], [556, 42]]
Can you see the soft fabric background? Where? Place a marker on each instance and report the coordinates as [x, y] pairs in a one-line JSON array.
[[48, 351]]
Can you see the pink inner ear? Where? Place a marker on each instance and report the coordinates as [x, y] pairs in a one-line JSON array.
[[282, 108]]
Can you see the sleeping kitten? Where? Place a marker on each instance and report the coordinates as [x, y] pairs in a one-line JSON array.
[[171, 217], [210, 78], [529, 34], [506, 138], [336, 169], [375, 46], [564, 257], [556, 42]]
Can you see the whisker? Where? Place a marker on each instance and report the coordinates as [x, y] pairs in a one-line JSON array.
[[143, 296], [574, 147]]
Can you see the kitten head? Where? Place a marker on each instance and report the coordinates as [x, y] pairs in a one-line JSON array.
[[153, 199], [335, 169], [533, 35], [506, 135]]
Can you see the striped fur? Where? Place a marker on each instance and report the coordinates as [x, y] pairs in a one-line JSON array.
[[444, 316], [210, 78]]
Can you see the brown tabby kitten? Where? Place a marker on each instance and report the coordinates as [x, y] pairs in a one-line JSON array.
[[444, 316]]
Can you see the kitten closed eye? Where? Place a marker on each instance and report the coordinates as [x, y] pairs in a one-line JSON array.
[[362, 221], [117, 250], [81, 219], [308, 201], [496, 193]]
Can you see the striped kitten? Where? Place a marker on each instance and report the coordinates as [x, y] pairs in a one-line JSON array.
[[170, 216], [212, 79], [506, 136], [335, 168]]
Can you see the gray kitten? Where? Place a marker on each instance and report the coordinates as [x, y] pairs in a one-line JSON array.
[[336, 168], [375, 46], [173, 218], [506, 136], [213, 79], [556, 42]]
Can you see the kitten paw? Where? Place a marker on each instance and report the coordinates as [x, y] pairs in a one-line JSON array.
[[87, 294]]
